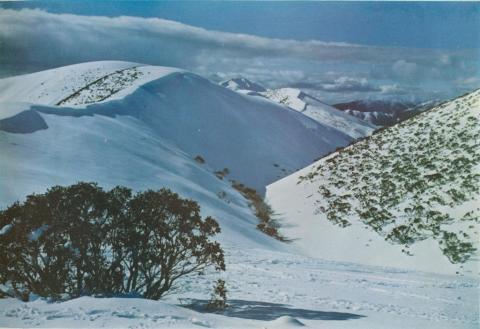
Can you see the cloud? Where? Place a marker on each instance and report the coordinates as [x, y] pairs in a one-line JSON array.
[[35, 39], [393, 89], [49, 39], [349, 84], [404, 69], [470, 81]]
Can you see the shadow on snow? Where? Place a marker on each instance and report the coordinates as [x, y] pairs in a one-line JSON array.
[[269, 311]]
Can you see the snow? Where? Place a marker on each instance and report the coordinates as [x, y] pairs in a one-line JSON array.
[[288, 96], [297, 202], [227, 129], [321, 112], [242, 85], [145, 135], [308, 105], [270, 289], [51, 86], [6, 229]]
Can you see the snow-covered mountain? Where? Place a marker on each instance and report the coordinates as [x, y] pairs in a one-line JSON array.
[[320, 112], [381, 112], [243, 85], [143, 126], [306, 104], [149, 127], [405, 197]]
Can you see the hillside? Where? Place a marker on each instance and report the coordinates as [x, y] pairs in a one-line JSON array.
[[320, 112], [307, 105], [149, 127], [242, 85], [169, 101], [405, 197], [381, 112]]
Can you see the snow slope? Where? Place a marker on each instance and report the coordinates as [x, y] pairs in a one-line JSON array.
[[227, 129], [307, 105], [142, 126], [274, 290], [406, 197], [321, 112], [242, 85]]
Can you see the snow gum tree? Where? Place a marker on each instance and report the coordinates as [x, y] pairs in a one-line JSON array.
[[81, 240]]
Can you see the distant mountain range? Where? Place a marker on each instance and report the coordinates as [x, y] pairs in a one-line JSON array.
[[383, 112], [378, 112]]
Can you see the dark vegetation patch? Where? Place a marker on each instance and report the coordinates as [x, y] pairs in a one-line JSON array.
[[81, 240], [199, 159], [263, 211]]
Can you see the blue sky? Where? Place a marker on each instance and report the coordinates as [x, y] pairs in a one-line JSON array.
[[389, 49]]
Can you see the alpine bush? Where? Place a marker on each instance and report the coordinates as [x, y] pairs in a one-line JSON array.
[[81, 240]]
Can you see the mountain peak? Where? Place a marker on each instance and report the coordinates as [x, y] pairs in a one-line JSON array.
[[242, 84]]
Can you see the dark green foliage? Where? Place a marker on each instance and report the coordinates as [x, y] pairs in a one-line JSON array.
[[263, 211], [199, 159], [222, 173], [80, 240], [456, 250]]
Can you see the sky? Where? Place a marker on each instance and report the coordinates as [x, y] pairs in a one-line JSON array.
[[337, 51]]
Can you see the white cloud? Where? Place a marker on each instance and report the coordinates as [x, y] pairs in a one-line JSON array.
[[38, 39], [47, 38], [349, 84], [468, 81], [404, 69], [392, 89]]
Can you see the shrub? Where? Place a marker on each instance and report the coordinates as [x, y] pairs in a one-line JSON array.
[[263, 211], [199, 159], [222, 173], [218, 301], [80, 240]]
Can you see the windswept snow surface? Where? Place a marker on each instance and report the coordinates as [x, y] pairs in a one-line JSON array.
[[418, 181], [242, 85], [308, 105], [142, 126], [258, 141], [274, 290], [52, 86], [321, 112]]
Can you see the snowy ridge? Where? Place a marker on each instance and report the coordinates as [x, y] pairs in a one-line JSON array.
[[290, 97], [307, 105], [320, 112], [405, 197], [80, 84], [383, 112], [242, 85], [130, 135]]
